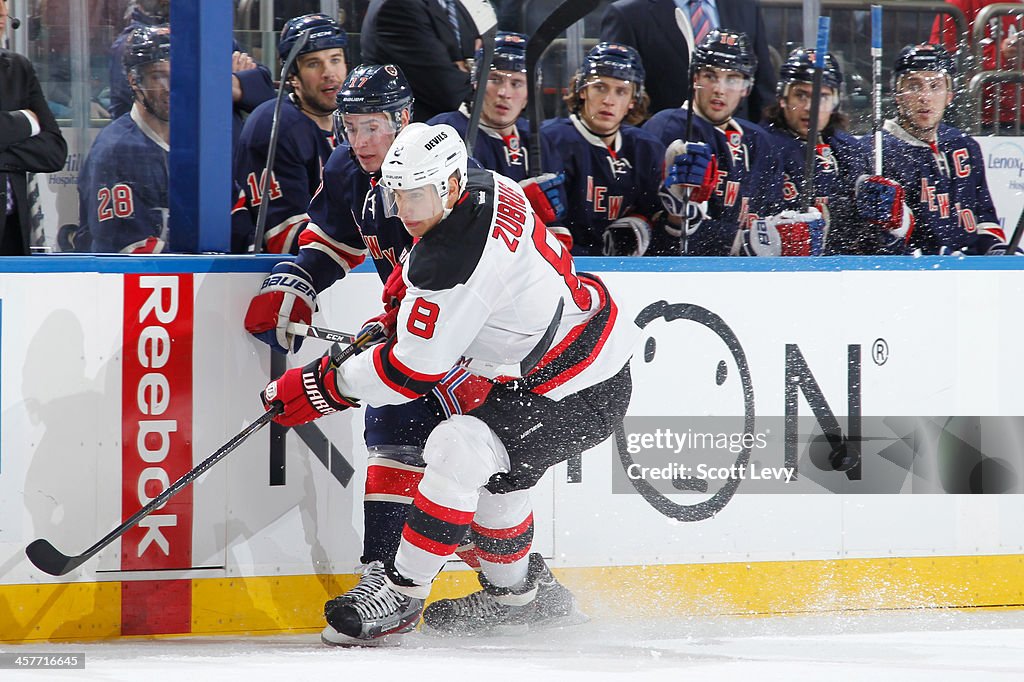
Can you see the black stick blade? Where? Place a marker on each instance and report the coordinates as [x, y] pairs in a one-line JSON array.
[[49, 559]]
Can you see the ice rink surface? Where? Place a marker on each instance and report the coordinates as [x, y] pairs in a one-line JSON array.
[[926, 645]]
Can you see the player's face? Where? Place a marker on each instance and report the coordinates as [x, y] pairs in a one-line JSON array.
[[796, 107], [370, 136], [504, 100], [606, 101], [154, 82], [3, 17], [320, 75], [420, 208], [922, 98], [717, 93]]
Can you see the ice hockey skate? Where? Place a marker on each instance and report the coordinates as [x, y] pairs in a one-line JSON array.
[[542, 602], [371, 613]]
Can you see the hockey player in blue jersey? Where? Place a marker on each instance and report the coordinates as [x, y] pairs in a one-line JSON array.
[[122, 188], [941, 169], [306, 138], [505, 133], [612, 167], [842, 160], [730, 163]]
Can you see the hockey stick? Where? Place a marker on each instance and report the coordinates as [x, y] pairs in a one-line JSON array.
[[811, 158], [261, 216], [299, 329], [683, 22], [486, 22], [49, 559], [556, 23], [1018, 232], [876, 83]]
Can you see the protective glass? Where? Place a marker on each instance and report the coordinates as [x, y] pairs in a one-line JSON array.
[[802, 98], [921, 83], [354, 128], [619, 87], [727, 80], [412, 205]]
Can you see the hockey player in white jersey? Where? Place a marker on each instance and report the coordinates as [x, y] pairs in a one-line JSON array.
[[493, 290]]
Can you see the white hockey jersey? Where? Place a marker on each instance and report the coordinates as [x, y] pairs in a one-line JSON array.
[[484, 290]]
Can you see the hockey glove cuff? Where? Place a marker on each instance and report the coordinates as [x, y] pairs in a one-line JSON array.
[[629, 236], [287, 295], [787, 234], [306, 393]]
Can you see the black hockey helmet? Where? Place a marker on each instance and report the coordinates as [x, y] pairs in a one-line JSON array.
[[923, 57], [371, 89], [799, 68], [724, 49], [324, 34], [145, 45], [614, 60]]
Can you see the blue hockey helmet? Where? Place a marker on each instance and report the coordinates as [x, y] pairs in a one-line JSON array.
[[145, 45], [324, 34], [371, 89], [509, 52], [923, 57], [724, 49], [614, 60], [799, 68]]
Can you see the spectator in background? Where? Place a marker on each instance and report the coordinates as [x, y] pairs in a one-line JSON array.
[[305, 138], [650, 26], [30, 142], [430, 41], [251, 84], [122, 188], [1006, 55]]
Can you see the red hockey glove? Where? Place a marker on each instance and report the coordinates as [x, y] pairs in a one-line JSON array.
[[287, 295], [881, 202], [394, 289], [787, 234], [545, 195], [306, 393]]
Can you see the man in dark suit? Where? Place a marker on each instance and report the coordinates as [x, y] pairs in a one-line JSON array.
[[650, 26], [418, 36], [30, 142]]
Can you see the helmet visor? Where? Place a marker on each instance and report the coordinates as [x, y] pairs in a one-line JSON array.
[[373, 128], [412, 205]]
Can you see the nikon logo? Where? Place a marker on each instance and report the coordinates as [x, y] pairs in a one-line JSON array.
[[433, 142]]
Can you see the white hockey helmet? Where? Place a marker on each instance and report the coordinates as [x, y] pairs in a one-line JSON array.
[[423, 156]]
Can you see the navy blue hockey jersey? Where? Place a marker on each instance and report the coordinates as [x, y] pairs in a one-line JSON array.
[[750, 177], [122, 190], [945, 188], [302, 150], [841, 159], [507, 156], [605, 182], [346, 222]]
